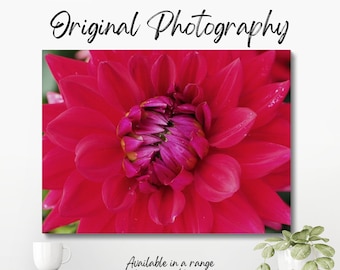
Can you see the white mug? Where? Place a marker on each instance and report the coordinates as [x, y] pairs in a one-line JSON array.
[[50, 255]]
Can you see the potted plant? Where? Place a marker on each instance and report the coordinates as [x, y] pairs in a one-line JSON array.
[[302, 250]]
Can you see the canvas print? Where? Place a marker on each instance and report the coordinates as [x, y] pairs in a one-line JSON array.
[[173, 141]]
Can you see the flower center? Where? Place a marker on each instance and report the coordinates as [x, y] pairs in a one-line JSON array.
[[161, 139]]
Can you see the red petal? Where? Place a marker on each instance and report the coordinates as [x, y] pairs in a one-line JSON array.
[[57, 166], [163, 75], [81, 91], [75, 123], [236, 215], [267, 202], [62, 66], [279, 181], [51, 111], [228, 84], [277, 131], [258, 70], [231, 127], [203, 115], [117, 86], [266, 101], [102, 221], [165, 205], [98, 157], [55, 220], [140, 71], [80, 197], [119, 193], [197, 216], [52, 199], [258, 158], [192, 70], [136, 219], [183, 179], [217, 177]]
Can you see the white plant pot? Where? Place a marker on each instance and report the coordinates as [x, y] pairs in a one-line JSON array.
[[286, 262]]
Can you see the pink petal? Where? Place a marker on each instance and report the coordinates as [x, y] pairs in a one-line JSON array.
[[119, 193], [57, 165], [62, 66], [165, 205], [223, 89], [140, 71], [193, 93], [117, 86], [136, 219], [267, 202], [231, 127], [74, 124], [217, 177], [277, 131], [192, 70], [183, 179], [81, 91], [236, 215], [98, 157], [197, 216], [55, 220], [258, 70], [102, 221], [279, 181], [80, 197], [203, 115], [52, 199], [163, 173], [258, 158], [199, 143], [266, 101], [51, 111], [54, 97], [163, 75]]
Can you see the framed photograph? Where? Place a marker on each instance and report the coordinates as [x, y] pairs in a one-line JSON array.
[[166, 141]]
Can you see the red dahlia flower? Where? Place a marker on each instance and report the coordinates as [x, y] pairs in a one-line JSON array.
[[167, 142]]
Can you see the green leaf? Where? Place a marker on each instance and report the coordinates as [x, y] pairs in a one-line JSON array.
[[318, 238], [306, 227], [317, 230], [301, 251], [268, 252], [287, 234], [282, 245], [325, 249], [273, 239], [263, 266], [325, 263], [301, 237], [260, 246], [311, 265]]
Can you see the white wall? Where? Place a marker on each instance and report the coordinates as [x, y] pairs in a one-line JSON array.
[[316, 137]]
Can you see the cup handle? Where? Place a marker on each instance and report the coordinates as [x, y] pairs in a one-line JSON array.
[[68, 257]]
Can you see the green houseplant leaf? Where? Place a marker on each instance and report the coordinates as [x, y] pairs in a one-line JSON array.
[[301, 251], [325, 263], [311, 265], [282, 245], [325, 249], [300, 237], [317, 230], [268, 252]]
